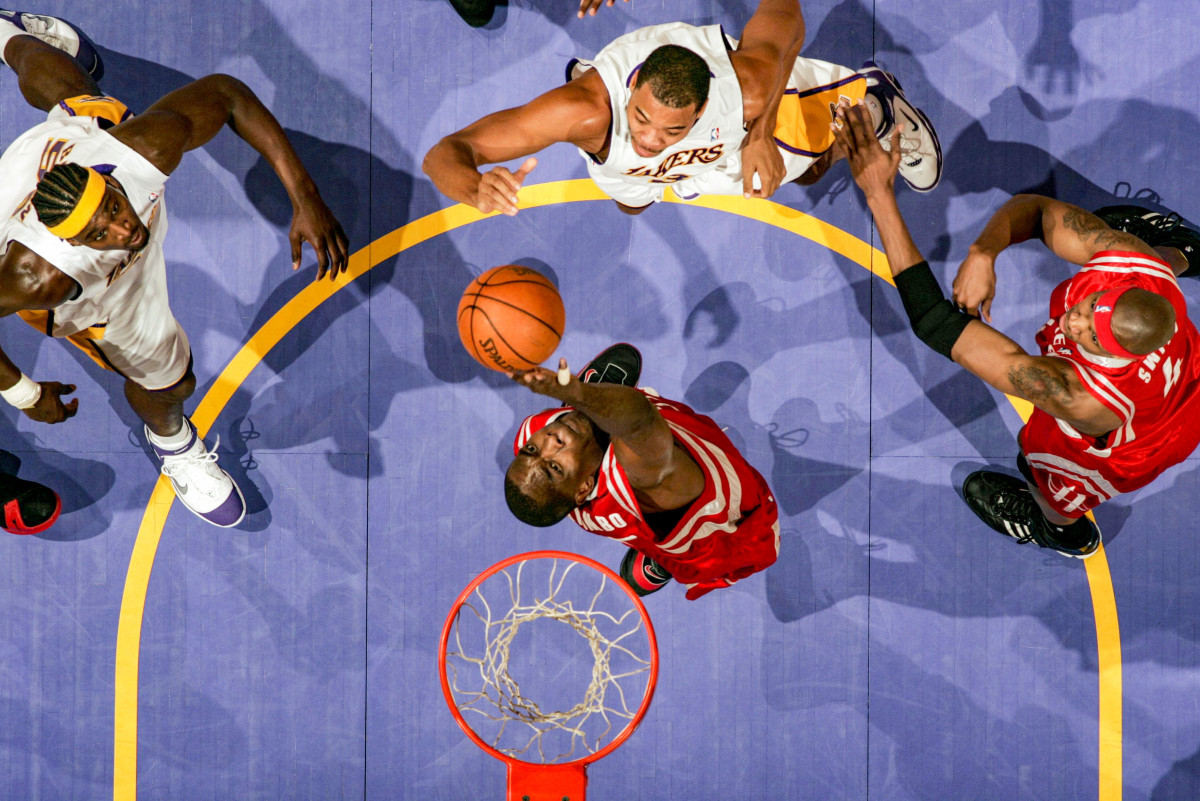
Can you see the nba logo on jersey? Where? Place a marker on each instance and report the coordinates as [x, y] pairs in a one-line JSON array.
[[714, 135], [153, 197]]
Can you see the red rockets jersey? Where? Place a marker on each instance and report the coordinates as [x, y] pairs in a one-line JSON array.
[[1155, 396], [728, 533]]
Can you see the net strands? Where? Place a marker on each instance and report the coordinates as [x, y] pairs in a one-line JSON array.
[[557, 735]]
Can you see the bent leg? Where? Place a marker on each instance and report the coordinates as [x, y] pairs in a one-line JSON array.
[[161, 409], [45, 74]]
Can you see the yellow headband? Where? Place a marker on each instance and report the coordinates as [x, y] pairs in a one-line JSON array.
[[89, 201]]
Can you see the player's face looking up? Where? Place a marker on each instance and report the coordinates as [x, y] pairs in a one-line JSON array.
[[654, 126], [1079, 327], [559, 458], [114, 226]]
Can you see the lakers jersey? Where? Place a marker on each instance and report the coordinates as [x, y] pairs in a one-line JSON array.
[[718, 132], [70, 134]]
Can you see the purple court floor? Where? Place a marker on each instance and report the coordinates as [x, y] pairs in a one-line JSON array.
[[898, 650]]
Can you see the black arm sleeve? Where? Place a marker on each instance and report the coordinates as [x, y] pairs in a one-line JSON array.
[[934, 319]]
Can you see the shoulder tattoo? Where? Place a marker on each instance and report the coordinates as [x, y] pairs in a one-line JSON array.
[[1036, 383]]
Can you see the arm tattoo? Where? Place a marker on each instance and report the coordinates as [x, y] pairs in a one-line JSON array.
[[1089, 226], [1037, 384]]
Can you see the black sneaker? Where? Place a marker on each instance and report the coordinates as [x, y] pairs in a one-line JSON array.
[[475, 13], [1007, 505], [618, 364], [1156, 230], [643, 574], [29, 507]]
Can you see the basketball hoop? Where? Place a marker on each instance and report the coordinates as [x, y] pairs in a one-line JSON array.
[[507, 653]]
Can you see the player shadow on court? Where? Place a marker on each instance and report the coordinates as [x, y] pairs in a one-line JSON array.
[[1180, 782]]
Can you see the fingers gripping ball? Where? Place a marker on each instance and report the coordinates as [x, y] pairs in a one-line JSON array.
[[511, 318]]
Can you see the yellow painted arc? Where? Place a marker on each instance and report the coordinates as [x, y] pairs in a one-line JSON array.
[[137, 578]]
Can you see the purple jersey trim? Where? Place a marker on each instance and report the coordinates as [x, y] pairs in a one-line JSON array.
[[825, 87], [798, 151]]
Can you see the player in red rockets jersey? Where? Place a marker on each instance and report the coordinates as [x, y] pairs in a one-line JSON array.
[[1153, 395], [646, 471], [1115, 384]]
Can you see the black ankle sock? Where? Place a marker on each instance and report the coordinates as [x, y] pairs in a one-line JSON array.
[[1072, 535]]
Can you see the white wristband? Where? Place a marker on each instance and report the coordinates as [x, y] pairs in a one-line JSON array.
[[23, 394]]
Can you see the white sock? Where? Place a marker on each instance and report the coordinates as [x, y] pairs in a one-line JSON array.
[[173, 442]]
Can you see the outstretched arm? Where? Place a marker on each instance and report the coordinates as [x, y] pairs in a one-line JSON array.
[[641, 438], [763, 61], [576, 112], [1051, 384], [1070, 232], [193, 114]]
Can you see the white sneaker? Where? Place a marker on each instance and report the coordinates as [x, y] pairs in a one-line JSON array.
[[60, 34], [199, 484], [921, 162]]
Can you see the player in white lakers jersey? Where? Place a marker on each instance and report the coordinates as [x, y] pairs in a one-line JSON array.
[[82, 222], [687, 107]]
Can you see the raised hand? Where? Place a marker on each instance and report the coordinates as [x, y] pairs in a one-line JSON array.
[[874, 169], [549, 382], [498, 188]]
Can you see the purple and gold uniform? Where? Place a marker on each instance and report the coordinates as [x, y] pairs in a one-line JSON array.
[[120, 316], [731, 531], [708, 160]]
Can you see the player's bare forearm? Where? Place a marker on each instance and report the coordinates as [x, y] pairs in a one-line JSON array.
[[771, 42], [9, 372], [874, 170], [898, 244], [452, 166], [1070, 232], [1048, 383], [254, 123]]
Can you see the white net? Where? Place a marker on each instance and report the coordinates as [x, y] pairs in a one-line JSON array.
[[548, 660]]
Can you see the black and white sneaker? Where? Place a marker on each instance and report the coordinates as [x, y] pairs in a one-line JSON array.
[[60, 34], [921, 165], [1007, 505], [619, 364], [1156, 230]]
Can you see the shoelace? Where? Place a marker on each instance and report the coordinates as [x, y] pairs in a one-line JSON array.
[[1016, 507], [173, 464]]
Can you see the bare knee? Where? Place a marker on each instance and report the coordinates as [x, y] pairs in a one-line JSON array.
[[46, 74], [632, 210]]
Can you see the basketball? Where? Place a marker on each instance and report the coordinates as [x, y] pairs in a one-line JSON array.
[[511, 318]]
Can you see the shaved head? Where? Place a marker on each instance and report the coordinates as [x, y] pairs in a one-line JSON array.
[[1143, 321]]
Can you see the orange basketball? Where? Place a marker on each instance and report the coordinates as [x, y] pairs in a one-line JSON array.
[[510, 318]]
